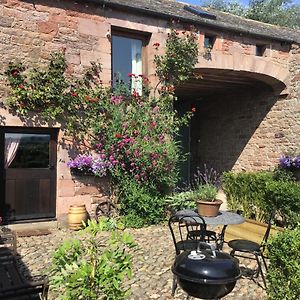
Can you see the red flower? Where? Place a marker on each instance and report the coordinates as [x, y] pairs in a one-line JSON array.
[[156, 44], [90, 99], [14, 73], [21, 86], [193, 109], [130, 75], [118, 135], [74, 94]]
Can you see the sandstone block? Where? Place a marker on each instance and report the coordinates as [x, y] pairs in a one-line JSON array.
[[48, 27], [92, 27], [5, 21], [65, 188], [87, 56]]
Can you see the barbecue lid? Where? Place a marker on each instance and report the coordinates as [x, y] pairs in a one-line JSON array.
[[206, 266]]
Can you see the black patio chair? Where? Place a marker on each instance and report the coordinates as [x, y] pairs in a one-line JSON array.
[[186, 233], [249, 248]]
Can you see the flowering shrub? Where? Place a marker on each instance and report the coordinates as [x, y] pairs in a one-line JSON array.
[[180, 57], [133, 133], [289, 162], [88, 165]]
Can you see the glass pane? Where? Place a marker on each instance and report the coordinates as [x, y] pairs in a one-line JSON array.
[[126, 58], [26, 150]]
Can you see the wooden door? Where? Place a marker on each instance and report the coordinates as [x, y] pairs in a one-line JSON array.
[[28, 173]]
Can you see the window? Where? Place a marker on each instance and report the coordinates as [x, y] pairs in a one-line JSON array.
[[260, 50], [126, 60], [209, 41], [26, 150]]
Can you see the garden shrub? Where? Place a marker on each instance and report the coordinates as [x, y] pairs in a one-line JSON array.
[[181, 200], [284, 197], [246, 192], [87, 270], [141, 204], [280, 174], [284, 269]]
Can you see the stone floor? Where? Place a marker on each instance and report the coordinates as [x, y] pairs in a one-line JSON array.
[[152, 262]]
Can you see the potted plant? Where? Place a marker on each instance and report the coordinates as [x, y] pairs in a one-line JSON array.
[[207, 204], [205, 186]]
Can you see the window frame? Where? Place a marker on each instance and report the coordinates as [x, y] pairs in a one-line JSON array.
[[212, 40], [260, 50], [144, 37]]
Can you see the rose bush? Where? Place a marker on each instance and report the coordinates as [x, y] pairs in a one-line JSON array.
[[132, 133]]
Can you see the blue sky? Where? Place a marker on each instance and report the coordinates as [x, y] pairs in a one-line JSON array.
[[198, 2]]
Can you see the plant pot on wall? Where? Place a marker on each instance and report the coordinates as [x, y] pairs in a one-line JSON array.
[[209, 208]]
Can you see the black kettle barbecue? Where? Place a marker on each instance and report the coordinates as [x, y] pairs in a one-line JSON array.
[[206, 273]]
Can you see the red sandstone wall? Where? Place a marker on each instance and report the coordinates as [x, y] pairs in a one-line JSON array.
[[30, 32]]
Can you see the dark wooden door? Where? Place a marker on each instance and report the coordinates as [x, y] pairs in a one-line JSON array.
[[28, 173]]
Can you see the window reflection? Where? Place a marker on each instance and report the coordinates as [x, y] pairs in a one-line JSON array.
[[25, 150], [127, 59]]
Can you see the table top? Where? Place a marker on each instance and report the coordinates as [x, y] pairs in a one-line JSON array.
[[223, 218]]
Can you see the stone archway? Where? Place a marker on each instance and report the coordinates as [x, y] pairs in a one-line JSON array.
[[253, 67], [234, 126]]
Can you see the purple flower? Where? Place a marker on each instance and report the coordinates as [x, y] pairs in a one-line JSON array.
[[81, 162], [86, 164], [289, 162], [100, 166]]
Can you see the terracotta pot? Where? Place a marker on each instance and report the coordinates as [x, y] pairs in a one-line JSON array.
[[77, 214], [209, 208]]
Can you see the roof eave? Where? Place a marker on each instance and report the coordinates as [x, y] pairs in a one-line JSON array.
[[188, 20]]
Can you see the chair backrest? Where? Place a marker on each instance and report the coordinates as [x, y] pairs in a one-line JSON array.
[[268, 231], [186, 232]]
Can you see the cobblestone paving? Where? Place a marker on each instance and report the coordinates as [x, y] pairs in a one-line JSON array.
[[152, 262]]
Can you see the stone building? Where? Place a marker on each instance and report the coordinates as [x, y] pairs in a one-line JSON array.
[[247, 96]]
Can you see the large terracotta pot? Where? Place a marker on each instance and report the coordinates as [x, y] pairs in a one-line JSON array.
[[209, 208], [77, 214]]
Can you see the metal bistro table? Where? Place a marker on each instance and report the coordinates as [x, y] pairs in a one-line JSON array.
[[224, 218]]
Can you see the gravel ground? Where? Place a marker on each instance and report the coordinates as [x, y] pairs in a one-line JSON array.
[[152, 264]]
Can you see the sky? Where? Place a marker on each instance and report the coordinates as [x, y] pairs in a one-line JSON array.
[[245, 2]]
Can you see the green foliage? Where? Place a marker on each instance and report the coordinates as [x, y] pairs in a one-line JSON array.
[[232, 7], [277, 12], [181, 200], [180, 57], [55, 96], [88, 271], [258, 193], [284, 269], [284, 197], [207, 192], [246, 192], [280, 174], [140, 204]]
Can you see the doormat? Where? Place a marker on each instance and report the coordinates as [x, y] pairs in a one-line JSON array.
[[33, 232]]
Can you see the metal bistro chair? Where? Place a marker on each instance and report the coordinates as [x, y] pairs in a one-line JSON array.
[[255, 249], [186, 233]]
